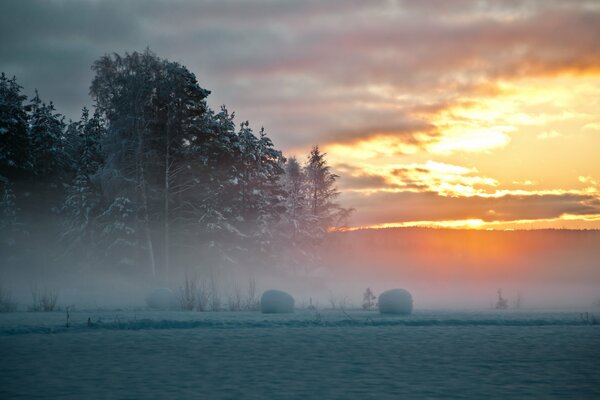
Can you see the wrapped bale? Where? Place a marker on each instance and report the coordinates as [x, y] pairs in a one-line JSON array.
[[276, 302], [395, 301]]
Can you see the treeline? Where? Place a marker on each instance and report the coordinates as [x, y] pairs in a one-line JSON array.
[[152, 180]]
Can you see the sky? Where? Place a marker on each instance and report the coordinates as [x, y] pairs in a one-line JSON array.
[[460, 114]]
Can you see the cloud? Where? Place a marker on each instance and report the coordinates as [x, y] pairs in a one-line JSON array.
[[592, 126], [363, 181], [548, 135], [376, 208], [321, 57], [393, 89]]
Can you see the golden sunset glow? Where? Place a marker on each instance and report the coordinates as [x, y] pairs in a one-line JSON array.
[[529, 141]]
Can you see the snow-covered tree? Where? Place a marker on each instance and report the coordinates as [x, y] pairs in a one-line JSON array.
[[83, 142], [11, 229], [45, 134], [82, 200], [156, 179], [80, 211], [311, 209], [14, 140], [117, 237], [258, 200], [153, 108], [321, 192]]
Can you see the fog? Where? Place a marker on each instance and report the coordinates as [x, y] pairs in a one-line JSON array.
[[443, 269], [447, 268]]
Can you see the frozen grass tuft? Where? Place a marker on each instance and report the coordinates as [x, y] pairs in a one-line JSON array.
[[6, 303], [188, 293], [43, 299]]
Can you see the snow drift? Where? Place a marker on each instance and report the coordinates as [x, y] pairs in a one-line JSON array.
[[395, 301], [276, 302]]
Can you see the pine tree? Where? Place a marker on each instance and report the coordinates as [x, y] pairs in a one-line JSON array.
[[117, 237], [82, 201], [14, 140], [368, 300], [83, 143], [45, 133], [11, 229], [259, 194], [80, 211], [322, 193], [293, 229]]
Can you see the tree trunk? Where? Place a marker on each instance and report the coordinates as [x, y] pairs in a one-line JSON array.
[[144, 196], [166, 232]]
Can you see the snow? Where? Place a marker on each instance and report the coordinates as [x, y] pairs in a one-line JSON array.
[[309, 355], [395, 301], [276, 302]]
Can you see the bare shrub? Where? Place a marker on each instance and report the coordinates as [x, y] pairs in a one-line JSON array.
[[338, 302], [43, 299], [252, 301], [332, 302], [188, 293], [6, 303], [234, 302], [344, 303], [202, 297], [214, 297]]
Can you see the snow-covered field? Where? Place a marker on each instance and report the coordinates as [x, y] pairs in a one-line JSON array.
[[306, 355]]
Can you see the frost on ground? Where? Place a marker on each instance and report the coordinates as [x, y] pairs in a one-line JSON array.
[[308, 355]]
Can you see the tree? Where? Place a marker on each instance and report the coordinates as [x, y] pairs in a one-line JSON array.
[[83, 199], [117, 237], [11, 229], [368, 300], [153, 108], [46, 129], [14, 139], [322, 192], [310, 209], [258, 200], [293, 227], [83, 143], [294, 184], [154, 177]]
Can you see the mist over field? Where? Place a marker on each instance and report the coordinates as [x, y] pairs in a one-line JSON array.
[[443, 268], [299, 199], [465, 268]]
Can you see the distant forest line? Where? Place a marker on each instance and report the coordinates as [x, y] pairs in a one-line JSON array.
[[152, 181]]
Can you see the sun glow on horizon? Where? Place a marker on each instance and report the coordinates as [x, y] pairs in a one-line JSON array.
[[566, 221]]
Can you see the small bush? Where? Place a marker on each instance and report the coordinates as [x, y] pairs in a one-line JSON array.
[[252, 301], [202, 297], [214, 297], [235, 301], [43, 300], [6, 303], [188, 294]]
